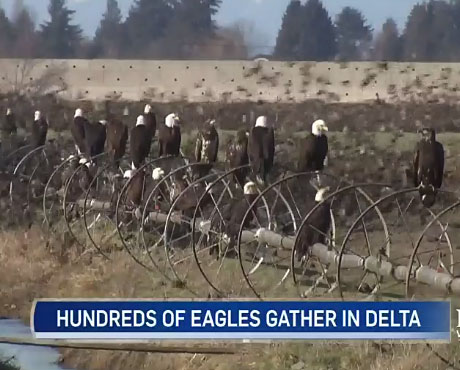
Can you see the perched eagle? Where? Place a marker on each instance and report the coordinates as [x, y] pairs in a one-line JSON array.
[[95, 136], [85, 178], [428, 166], [150, 120], [117, 137], [261, 149], [139, 142], [237, 156], [169, 136], [135, 189], [206, 148], [9, 125], [39, 130], [318, 226], [161, 192], [78, 130], [234, 214], [314, 149]]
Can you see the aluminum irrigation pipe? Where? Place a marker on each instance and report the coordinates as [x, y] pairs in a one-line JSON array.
[[422, 274]]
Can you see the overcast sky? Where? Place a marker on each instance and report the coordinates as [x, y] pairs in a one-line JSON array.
[[264, 14]]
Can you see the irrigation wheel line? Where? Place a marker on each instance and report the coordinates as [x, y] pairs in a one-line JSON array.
[[68, 187], [410, 264], [216, 242], [293, 219], [216, 212], [45, 194], [167, 243], [331, 258], [119, 204], [380, 267], [101, 171], [290, 211], [11, 155], [195, 219], [19, 165], [186, 169]]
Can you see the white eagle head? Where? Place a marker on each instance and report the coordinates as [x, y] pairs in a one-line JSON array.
[[212, 122], [9, 111], [147, 109], [261, 121], [172, 120], [128, 174], [319, 127], [85, 162], [103, 122], [78, 113], [321, 194], [140, 121], [158, 173], [250, 188], [37, 115]]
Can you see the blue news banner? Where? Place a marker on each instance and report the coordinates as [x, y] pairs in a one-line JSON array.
[[53, 319]]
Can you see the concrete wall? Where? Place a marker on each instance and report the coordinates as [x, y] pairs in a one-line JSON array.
[[232, 81]]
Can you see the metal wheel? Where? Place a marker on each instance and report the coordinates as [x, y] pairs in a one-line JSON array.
[[379, 273], [434, 255], [129, 218], [177, 233], [99, 211]]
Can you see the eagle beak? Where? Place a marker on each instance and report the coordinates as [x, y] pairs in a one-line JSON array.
[[325, 128]]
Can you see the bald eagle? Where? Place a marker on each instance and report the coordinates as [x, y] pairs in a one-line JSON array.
[[428, 166], [150, 120], [39, 130], [233, 215], [9, 125], [169, 136], [139, 142], [95, 136], [261, 149], [314, 149], [237, 156], [206, 148], [135, 189], [78, 130], [86, 176], [117, 137], [161, 192], [318, 227]]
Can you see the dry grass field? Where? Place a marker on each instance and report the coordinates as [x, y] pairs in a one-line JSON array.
[[30, 270], [32, 266]]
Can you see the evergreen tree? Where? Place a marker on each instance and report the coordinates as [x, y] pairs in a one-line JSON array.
[[318, 38], [26, 41], [109, 38], [6, 35], [147, 22], [288, 40], [61, 38], [192, 28], [388, 43], [430, 33], [352, 34], [197, 16]]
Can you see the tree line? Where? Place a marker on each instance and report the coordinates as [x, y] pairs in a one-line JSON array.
[[186, 29], [431, 33], [152, 29]]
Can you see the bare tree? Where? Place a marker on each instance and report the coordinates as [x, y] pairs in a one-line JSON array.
[[256, 42]]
